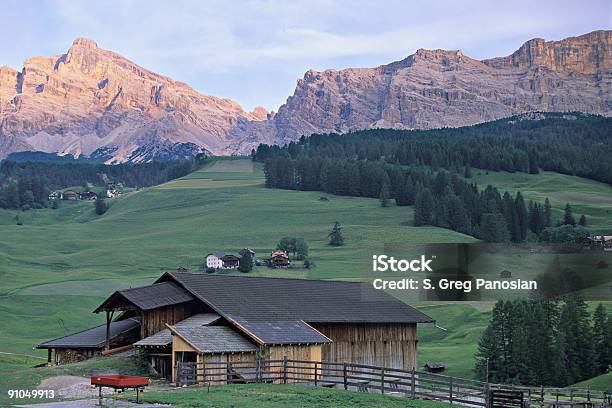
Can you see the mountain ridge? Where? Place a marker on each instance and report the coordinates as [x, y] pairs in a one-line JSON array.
[[94, 102]]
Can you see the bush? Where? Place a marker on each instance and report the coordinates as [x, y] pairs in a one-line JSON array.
[[101, 206]]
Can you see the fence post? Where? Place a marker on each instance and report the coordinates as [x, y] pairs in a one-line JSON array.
[[230, 377], [382, 380], [258, 371], [316, 373], [413, 383], [450, 390], [285, 370], [344, 375], [487, 395], [542, 393]]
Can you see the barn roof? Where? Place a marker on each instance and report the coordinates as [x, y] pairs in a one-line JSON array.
[[94, 337], [214, 339], [147, 297], [254, 299], [164, 337]]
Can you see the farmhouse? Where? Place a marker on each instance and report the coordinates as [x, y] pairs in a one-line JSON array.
[[220, 260], [70, 195], [185, 317], [88, 195], [280, 259]]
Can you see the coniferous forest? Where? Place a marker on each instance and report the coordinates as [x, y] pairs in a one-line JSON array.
[[545, 342], [27, 184], [431, 170]]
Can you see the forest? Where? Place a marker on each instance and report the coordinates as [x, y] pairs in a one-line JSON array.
[[573, 144], [431, 170], [545, 342], [26, 185]]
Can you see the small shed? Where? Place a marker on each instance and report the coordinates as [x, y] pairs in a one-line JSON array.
[[505, 274], [435, 367]]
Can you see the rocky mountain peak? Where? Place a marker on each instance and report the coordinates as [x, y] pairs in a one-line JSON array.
[[95, 102]]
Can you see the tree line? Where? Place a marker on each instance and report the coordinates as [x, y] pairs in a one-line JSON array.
[[25, 185], [575, 144], [440, 198], [545, 342]]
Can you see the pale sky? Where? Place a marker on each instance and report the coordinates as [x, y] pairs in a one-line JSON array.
[[254, 51]]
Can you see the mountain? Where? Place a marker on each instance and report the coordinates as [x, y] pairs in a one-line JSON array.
[[438, 88], [96, 103]]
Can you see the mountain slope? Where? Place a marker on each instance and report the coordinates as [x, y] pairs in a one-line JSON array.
[[438, 88], [94, 102], [89, 98]]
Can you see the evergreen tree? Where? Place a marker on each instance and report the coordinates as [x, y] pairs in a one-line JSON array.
[[568, 217], [384, 193], [493, 228], [467, 172], [547, 213], [101, 206], [55, 204], [602, 338], [522, 218], [245, 264], [583, 221], [489, 361], [335, 236], [423, 210]]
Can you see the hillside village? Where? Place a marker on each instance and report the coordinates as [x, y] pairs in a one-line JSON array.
[[111, 190]]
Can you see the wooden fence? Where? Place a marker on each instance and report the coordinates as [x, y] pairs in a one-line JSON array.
[[391, 381]]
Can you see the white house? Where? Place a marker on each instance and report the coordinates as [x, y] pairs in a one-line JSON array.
[[215, 260]]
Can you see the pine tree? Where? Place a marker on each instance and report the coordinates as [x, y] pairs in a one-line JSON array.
[[547, 213], [489, 361], [384, 193], [602, 339], [101, 206], [245, 264], [568, 217], [521, 216], [335, 236], [583, 221], [423, 210], [493, 228]]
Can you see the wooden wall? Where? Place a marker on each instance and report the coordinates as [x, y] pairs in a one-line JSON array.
[[381, 344], [304, 352], [153, 321]]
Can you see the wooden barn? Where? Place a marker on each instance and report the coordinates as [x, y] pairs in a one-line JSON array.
[[185, 317]]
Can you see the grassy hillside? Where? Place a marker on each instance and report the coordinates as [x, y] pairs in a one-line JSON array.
[[61, 264], [602, 382]]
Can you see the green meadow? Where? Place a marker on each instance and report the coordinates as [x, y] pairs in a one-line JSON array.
[[60, 264]]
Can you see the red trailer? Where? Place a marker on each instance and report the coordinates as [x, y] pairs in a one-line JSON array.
[[119, 382]]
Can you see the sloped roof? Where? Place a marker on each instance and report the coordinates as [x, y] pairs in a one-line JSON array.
[[93, 337], [312, 301], [214, 339], [164, 337], [283, 332], [148, 297]]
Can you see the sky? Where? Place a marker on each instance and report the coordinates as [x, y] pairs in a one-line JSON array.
[[254, 51]]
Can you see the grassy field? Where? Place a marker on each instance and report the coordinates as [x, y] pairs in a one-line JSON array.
[[280, 396], [61, 264]]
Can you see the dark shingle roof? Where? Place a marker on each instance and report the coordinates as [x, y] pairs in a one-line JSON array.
[[215, 339], [150, 297], [283, 332], [164, 337], [94, 337], [313, 301], [274, 310]]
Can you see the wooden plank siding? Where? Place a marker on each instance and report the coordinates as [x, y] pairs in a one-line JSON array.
[[153, 321], [392, 345], [301, 352]]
